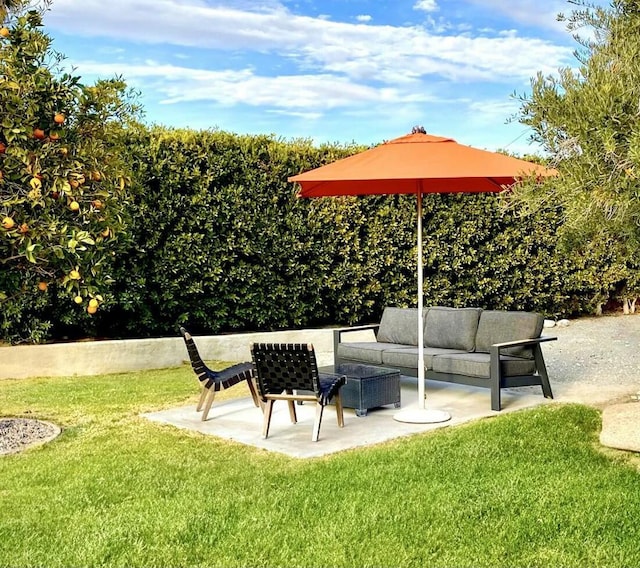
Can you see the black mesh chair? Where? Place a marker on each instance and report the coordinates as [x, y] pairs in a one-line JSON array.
[[214, 381], [283, 370]]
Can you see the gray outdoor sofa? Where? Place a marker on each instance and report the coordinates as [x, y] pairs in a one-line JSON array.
[[471, 346]]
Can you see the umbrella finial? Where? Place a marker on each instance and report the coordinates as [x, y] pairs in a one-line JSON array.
[[418, 130]]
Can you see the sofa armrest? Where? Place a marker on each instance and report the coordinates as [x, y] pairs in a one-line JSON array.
[[537, 353], [522, 342], [337, 333], [495, 367]]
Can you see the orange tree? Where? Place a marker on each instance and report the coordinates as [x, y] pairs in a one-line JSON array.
[[63, 182]]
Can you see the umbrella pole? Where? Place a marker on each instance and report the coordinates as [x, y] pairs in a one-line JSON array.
[[421, 398], [421, 415]]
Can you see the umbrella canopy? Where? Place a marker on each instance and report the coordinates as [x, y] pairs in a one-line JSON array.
[[418, 163], [431, 164]]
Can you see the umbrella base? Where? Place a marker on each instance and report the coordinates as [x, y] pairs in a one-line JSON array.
[[421, 416]]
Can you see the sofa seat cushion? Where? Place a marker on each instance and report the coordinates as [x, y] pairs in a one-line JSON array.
[[451, 328], [478, 365], [501, 326], [365, 351], [399, 325], [408, 356]]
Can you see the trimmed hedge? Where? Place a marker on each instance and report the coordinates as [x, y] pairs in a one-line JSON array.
[[219, 241]]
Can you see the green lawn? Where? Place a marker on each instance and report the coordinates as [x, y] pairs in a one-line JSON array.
[[531, 488]]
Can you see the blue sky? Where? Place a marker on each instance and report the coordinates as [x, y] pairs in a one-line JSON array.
[[328, 70]]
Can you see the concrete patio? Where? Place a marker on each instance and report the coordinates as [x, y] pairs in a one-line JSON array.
[[594, 362], [239, 420]]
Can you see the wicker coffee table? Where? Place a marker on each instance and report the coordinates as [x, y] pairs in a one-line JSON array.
[[367, 386]]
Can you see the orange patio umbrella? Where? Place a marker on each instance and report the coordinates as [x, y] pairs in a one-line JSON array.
[[415, 164]]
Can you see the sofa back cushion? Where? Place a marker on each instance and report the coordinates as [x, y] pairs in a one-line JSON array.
[[399, 325], [501, 326], [451, 328]]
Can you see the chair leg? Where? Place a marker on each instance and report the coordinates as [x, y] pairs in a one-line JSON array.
[[316, 425], [207, 406], [292, 411], [339, 413], [254, 394], [268, 408], [203, 394]]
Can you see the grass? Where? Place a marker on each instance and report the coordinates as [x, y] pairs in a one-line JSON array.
[[531, 488]]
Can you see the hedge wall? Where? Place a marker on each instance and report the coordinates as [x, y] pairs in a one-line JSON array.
[[219, 241]]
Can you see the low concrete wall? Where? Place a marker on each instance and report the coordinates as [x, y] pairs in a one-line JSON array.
[[119, 356]]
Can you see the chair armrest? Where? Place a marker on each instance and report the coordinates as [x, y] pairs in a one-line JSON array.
[[523, 342], [337, 333], [332, 376]]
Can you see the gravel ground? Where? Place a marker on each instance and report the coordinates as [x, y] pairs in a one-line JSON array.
[[595, 361], [596, 350], [18, 433]]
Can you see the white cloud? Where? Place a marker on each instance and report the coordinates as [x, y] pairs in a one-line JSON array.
[[531, 12], [303, 115], [311, 69], [487, 112], [181, 22], [294, 93], [426, 5], [111, 50], [397, 56], [391, 54]]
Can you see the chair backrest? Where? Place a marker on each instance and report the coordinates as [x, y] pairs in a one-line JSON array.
[[285, 366], [200, 369]]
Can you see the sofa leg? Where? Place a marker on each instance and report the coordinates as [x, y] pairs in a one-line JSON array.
[[542, 371], [495, 398], [494, 379]]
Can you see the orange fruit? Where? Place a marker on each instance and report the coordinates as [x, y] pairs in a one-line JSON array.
[[3, 147], [78, 299], [39, 133], [74, 183], [58, 118], [8, 223], [42, 286], [92, 309], [24, 228], [93, 303], [74, 275], [54, 136], [74, 206], [4, 32], [97, 204], [96, 176]]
